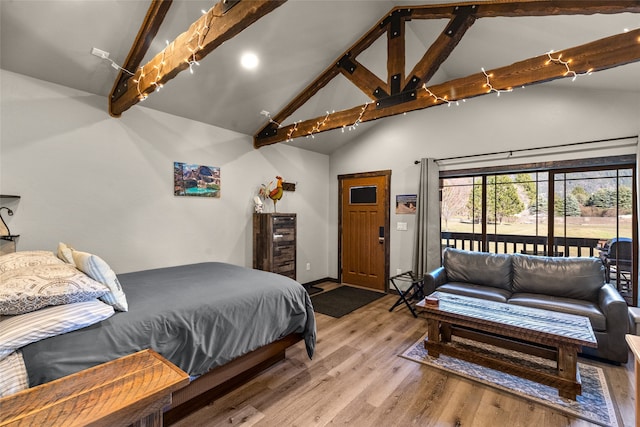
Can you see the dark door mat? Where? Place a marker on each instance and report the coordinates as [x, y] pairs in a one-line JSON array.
[[343, 300], [312, 290]]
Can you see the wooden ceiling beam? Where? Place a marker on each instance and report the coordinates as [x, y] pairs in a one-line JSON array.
[[148, 30], [363, 78], [208, 32], [440, 50], [595, 56], [396, 51], [530, 8]]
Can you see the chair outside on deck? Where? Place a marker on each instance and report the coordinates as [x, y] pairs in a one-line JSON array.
[[618, 262]]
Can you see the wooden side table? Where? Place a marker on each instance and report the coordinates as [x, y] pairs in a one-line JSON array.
[[131, 390], [634, 345]]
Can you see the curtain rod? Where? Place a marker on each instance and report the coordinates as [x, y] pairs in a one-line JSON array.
[[510, 152]]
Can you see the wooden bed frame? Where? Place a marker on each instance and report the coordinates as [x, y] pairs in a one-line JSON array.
[[221, 380]]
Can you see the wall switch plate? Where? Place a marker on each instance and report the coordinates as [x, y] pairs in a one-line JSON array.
[[402, 226], [308, 266]]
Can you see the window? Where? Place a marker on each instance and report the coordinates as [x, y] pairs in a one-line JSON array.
[[367, 194], [572, 211]]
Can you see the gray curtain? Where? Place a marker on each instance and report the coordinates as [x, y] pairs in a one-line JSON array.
[[426, 247]]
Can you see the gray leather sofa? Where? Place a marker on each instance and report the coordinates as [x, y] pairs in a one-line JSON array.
[[569, 285]]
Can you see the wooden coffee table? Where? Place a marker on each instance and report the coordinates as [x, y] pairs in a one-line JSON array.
[[543, 333]]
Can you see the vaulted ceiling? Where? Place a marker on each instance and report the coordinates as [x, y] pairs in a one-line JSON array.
[[300, 41]]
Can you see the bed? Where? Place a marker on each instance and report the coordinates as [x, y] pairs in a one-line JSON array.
[[218, 322]]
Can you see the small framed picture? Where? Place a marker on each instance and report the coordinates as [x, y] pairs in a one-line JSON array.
[[196, 180], [406, 203]]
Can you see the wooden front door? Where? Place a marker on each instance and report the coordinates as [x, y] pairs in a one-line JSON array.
[[364, 229]]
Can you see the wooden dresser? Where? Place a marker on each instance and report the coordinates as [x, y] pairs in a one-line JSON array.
[[274, 243], [132, 390]]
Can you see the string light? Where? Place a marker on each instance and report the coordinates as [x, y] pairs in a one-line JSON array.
[[268, 115], [438, 98], [490, 86], [359, 119], [192, 61], [569, 71], [159, 68], [318, 125], [199, 35], [292, 130], [141, 96]]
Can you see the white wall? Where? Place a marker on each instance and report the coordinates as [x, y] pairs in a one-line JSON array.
[[537, 116], [105, 185]]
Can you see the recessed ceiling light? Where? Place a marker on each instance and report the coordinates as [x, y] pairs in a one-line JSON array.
[[249, 60]]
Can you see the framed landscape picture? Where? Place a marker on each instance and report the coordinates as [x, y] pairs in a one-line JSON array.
[[196, 180]]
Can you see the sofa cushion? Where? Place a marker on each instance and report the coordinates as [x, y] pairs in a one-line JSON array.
[[563, 305], [479, 268], [476, 291], [577, 278]]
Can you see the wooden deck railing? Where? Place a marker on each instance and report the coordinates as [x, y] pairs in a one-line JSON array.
[[510, 243]]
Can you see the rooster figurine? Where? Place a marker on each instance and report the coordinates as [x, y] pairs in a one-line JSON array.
[[276, 193]]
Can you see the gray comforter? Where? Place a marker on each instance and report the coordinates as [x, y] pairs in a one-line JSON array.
[[197, 316]]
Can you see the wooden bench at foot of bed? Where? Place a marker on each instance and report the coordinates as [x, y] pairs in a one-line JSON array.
[[131, 390], [141, 389]]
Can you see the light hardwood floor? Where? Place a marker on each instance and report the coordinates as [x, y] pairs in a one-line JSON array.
[[356, 378]]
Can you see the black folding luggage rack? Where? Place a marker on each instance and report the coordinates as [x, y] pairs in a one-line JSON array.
[[415, 291]]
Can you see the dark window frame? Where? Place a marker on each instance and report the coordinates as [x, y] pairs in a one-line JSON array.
[[554, 168]]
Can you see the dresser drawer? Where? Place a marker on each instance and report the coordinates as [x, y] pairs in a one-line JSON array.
[[274, 243]]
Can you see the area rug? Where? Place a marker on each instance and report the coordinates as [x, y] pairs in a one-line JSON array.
[[312, 290], [594, 405], [343, 300]]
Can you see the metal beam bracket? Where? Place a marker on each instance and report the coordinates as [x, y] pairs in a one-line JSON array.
[[347, 64], [228, 4], [395, 22], [412, 83], [380, 93], [268, 132], [461, 12], [399, 98]]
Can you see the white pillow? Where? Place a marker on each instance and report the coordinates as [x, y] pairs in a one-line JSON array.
[[64, 253], [96, 268], [32, 288], [18, 331], [22, 259]]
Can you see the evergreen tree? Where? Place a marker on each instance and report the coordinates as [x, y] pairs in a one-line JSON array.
[[502, 199], [581, 195], [568, 206], [607, 198], [528, 185], [540, 207]]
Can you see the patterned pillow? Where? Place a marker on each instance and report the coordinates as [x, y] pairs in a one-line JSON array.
[[96, 268], [31, 288], [64, 253], [18, 331], [22, 259]]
